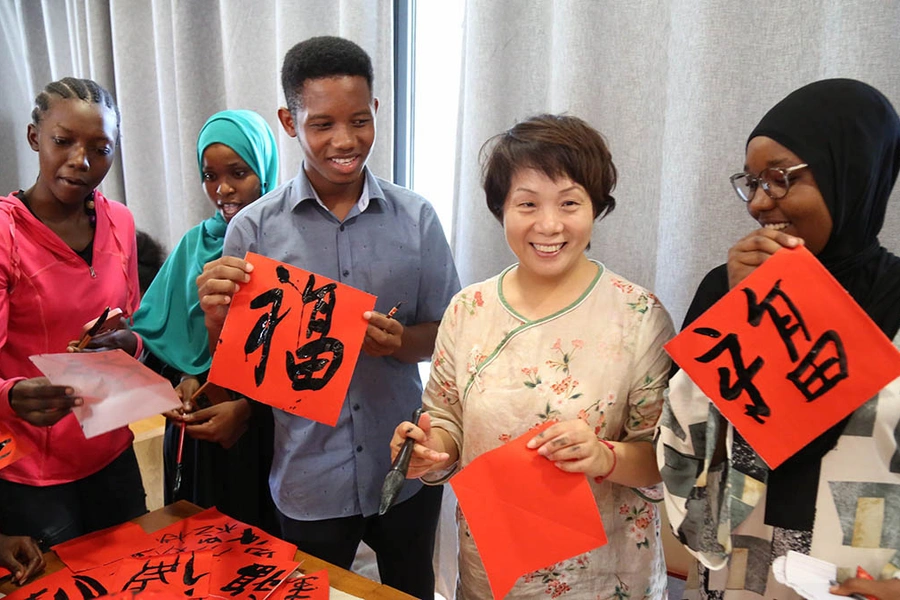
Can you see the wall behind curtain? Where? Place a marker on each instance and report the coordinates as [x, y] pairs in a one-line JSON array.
[[170, 65], [675, 87]]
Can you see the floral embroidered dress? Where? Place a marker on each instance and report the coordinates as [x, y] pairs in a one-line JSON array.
[[496, 374], [718, 511]]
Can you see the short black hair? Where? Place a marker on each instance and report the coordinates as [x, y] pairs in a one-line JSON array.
[[319, 58], [150, 258], [556, 145], [72, 87]]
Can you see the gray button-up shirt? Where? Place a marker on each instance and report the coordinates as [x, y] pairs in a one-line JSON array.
[[391, 244]]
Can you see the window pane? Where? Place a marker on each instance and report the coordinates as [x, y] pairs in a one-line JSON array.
[[437, 58]]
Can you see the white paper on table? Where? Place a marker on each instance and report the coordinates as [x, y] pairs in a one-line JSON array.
[[810, 577], [335, 594], [117, 389]]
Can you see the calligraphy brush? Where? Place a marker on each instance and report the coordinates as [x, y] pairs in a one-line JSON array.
[[90, 333], [179, 465], [393, 481], [394, 310]]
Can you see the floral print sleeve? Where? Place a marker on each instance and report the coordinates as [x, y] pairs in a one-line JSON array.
[[645, 399], [442, 396]]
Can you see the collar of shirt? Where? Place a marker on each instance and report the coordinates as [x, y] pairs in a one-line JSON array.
[[306, 192]]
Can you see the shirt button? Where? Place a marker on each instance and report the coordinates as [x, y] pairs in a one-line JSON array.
[[356, 407], [342, 227], [346, 272], [359, 448]]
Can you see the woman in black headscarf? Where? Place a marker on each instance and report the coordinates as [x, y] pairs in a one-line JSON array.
[[819, 169]]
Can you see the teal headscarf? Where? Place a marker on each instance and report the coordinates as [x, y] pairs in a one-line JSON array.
[[169, 319]]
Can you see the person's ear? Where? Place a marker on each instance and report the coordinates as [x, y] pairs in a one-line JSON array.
[[32, 136], [376, 106], [287, 121]]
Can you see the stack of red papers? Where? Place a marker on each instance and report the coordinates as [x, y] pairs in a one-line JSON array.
[[209, 555]]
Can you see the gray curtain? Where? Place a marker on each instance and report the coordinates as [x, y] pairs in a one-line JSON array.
[[171, 64], [676, 88]]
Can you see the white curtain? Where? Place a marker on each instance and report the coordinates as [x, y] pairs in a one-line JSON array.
[[171, 64], [675, 87]]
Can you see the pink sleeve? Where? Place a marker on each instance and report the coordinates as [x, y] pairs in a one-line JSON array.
[[134, 288], [6, 268]]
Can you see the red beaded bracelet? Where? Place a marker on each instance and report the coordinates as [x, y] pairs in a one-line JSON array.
[[600, 478]]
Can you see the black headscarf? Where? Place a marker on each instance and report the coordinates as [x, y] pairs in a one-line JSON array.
[[849, 135]]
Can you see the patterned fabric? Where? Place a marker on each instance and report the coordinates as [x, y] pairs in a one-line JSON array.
[[496, 374], [717, 509]]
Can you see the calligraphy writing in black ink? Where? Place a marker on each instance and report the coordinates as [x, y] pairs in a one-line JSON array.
[[264, 329], [787, 325], [314, 363], [247, 577], [743, 375], [818, 372], [299, 588], [814, 379], [319, 353], [87, 587]]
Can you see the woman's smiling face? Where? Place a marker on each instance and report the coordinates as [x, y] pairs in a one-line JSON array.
[[548, 223], [802, 212]]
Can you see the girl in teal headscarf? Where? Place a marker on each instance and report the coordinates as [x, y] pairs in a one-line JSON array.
[[238, 163]]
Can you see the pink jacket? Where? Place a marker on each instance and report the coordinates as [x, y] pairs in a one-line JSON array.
[[47, 292]]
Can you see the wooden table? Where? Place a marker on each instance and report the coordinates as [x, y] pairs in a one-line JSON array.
[[338, 578]]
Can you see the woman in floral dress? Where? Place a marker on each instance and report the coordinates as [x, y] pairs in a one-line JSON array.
[[556, 338]]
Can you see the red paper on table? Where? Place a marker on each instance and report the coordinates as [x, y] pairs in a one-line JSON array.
[[104, 546], [786, 354], [63, 584], [11, 448], [220, 534], [179, 575], [313, 587], [244, 576], [291, 340], [531, 517]]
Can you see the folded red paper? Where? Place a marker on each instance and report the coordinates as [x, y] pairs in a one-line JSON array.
[[524, 513]]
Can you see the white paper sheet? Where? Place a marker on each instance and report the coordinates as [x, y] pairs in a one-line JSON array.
[[810, 577], [334, 594], [117, 389]]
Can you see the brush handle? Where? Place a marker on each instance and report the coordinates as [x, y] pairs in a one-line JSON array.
[[180, 443], [401, 463]]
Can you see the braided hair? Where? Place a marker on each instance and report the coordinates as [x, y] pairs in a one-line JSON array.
[[72, 87]]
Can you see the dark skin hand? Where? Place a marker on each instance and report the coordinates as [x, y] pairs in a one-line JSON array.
[[119, 338], [221, 423], [41, 403], [883, 589], [22, 556], [753, 249], [384, 336]]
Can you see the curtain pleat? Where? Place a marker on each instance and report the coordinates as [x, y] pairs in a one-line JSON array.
[[675, 87], [171, 64]]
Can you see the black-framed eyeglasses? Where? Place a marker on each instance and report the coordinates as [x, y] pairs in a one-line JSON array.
[[775, 182]]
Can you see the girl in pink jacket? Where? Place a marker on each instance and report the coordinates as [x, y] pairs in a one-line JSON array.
[[66, 253]]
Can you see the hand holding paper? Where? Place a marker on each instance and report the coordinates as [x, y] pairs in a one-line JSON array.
[[532, 516], [786, 354], [116, 389], [216, 286], [41, 403]]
